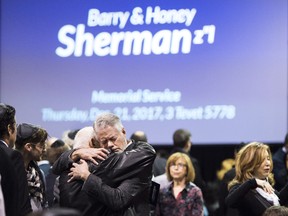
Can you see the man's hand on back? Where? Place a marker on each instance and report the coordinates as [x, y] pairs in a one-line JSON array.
[[90, 154]]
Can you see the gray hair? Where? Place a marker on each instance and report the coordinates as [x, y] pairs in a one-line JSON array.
[[107, 119]]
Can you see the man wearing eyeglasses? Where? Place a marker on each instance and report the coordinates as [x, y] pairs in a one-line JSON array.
[[13, 175], [31, 143]]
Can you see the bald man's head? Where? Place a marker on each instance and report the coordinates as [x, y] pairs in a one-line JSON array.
[[85, 138], [139, 136]]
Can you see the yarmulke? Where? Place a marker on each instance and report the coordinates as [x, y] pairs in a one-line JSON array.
[[25, 131], [58, 143], [72, 134]]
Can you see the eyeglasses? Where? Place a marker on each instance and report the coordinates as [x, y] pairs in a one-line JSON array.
[[179, 166], [41, 146]]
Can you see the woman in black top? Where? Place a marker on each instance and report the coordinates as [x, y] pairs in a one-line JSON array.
[[251, 191]]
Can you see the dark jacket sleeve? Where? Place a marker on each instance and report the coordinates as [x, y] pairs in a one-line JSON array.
[[238, 192], [134, 161], [129, 172], [283, 195], [23, 193], [198, 175], [223, 191], [114, 198], [279, 169], [63, 163]]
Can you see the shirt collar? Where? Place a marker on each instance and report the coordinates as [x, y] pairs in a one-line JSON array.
[[187, 187], [4, 143], [129, 143]]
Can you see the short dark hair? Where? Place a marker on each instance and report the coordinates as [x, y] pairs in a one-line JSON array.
[[181, 137], [28, 133], [7, 117]]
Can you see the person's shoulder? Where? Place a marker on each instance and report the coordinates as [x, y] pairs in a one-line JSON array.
[[177, 149], [161, 160], [5, 148], [191, 185], [195, 162], [279, 152], [143, 146], [16, 153], [161, 179], [12, 153]]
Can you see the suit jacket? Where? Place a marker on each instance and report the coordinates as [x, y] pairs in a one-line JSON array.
[[159, 166], [223, 209], [280, 169], [119, 185], [14, 182]]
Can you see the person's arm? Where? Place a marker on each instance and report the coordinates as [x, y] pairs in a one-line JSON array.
[[90, 154], [279, 169], [23, 192], [238, 192], [283, 195], [114, 198], [137, 161], [128, 164], [198, 175], [223, 191], [65, 161], [134, 164]]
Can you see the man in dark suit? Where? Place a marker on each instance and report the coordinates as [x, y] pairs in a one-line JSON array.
[[12, 171], [120, 185], [8, 183], [280, 168], [159, 164]]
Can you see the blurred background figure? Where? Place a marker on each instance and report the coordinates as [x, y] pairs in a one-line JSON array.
[[226, 165], [69, 136], [160, 162], [224, 176], [44, 164], [53, 153], [281, 165]]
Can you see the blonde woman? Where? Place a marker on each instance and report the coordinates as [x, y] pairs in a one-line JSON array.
[[251, 191], [181, 196]]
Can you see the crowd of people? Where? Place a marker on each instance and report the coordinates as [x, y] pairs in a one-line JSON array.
[[98, 170]]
